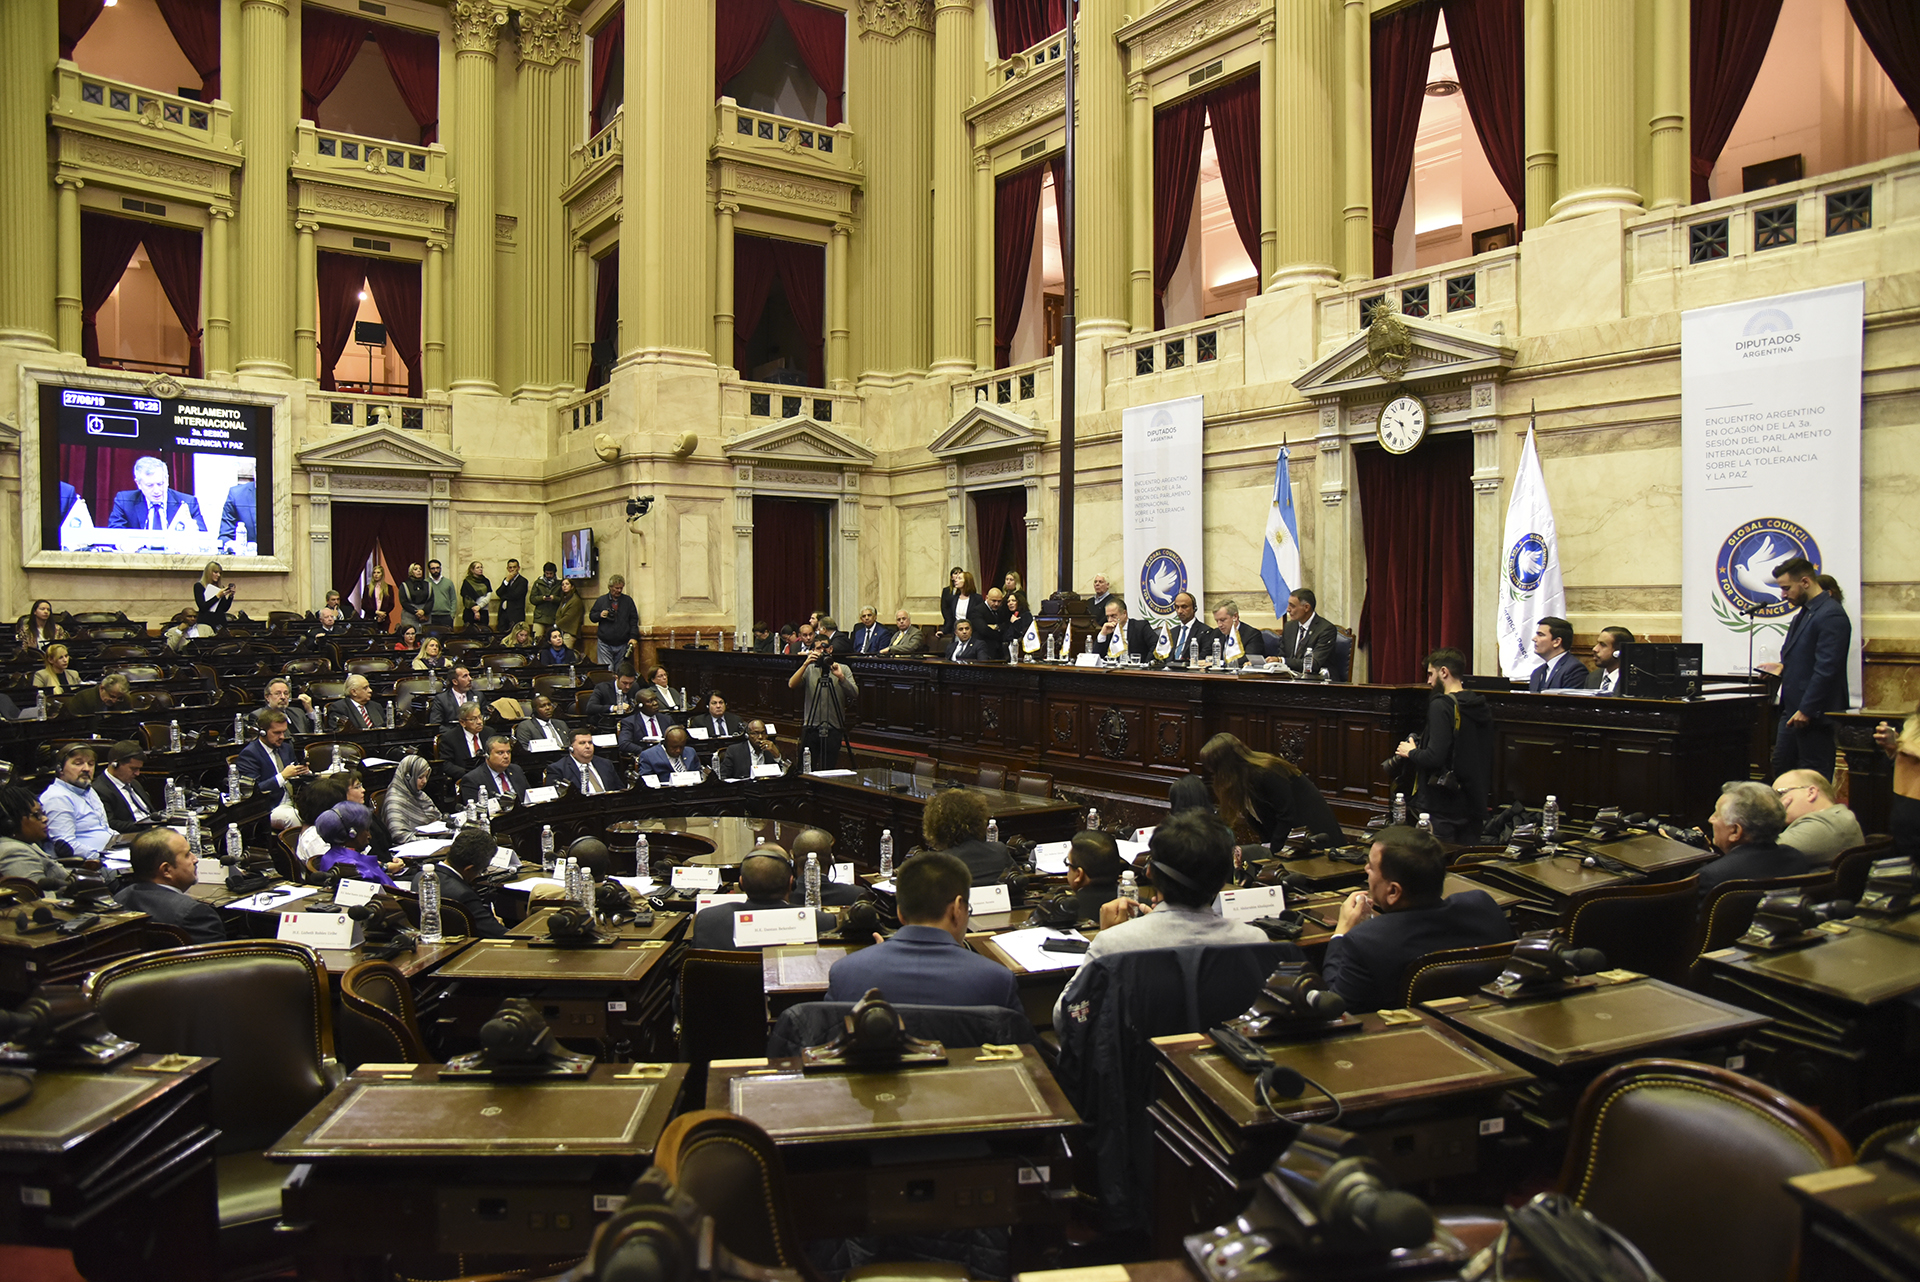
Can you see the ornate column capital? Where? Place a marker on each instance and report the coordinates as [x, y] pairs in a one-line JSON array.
[[726, 207], [548, 36], [437, 243], [892, 18], [982, 159], [309, 226], [1268, 26], [843, 229], [477, 25], [220, 211], [69, 180], [1136, 87]]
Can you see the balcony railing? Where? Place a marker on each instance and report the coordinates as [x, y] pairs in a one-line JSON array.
[[356, 409], [329, 152], [602, 151], [756, 404], [767, 134], [582, 413], [80, 95], [1028, 61], [1209, 346], [1025, 389], [1478, 293]]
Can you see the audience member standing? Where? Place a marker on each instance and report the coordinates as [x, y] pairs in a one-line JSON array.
[[618, 620], [1454, 758], [1903, 746], [443, 598], [1812, 670], [570, 615], [513, 597], [543, 598]]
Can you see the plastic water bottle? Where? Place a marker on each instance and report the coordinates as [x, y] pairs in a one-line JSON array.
[[1426, 822], [993, 830], [1398, 814], [1051, 655], [806, 761], [195, 841], [236, 848], [428, 888], [170, 799], [1550, 821], [334, 767], [483, 814], [683, 697], [1013, 653], [1090, 642], [239, 725], [1093, 819], [696, 645], [1129, 887], [1193, 652], [813, 880], [173, 737], [391, 722], [1219, 651], [546, 849], [642, 857], [573, 674], [233, 783], [886, 854]]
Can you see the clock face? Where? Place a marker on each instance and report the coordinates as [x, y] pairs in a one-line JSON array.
[[1403, 423]]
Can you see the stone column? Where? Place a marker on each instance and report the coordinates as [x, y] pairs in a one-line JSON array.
[[433, 317], [1670, 174], [263, 120], [723, 213], [306, 307], [1356, 67], [892, 57], [1140, 195], [474, 36], [1598, 134], [743, 604], [1489, 518], [983, 206], [547, 103], [1101, 200], [1305, 125], [219, 345], [28, 47], [66, 298], [839, 374], [956, 59], [320, 533], [1543, 161], [1336, 529], [582, 315], [666, 271], [1269, 152]]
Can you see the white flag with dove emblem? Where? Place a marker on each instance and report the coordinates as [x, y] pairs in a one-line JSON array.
[[1530, 584]]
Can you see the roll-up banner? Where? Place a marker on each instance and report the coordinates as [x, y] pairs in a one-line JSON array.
[[1770, 449], [1160, 505]]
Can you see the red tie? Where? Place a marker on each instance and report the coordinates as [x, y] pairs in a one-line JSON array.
[[473, 744], [501, 781], [361, 708]]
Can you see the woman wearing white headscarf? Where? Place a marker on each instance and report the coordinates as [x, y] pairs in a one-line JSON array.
[[408, 808]]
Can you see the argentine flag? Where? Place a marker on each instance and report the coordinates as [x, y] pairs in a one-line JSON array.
[[1280, 562]]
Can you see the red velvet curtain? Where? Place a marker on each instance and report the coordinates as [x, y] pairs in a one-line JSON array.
[[396, 292], [339, 276], [398, 529], [329, 42], [1234, 111], [413, 58], [1402, 48], [803, 275], [1177, 135], [1489, 56], [1000, 517], [789, 559], [1057, 166], [821, 35], [175, 255], [1022, 24], [196, 29], [609, 42], [1416, 512], [106, 247], [1728, 43], [1891, 29], [1016, 208], [76, 18], [753, 273], [606, 313], [101, 472], [739, 29]]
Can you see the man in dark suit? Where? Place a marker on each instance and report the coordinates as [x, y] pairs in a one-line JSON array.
[[512, 593], [269, 763], [1400, 916], [926, 962], [1120, 635], [742, 759], [614, 698], [646, 727], [964, 648], [352, 711], [1306, 643], [1226, 622], [1812, 670], [1559, 668], [955, 821], [541, 725], [237, 514], [469, 857], [68, 497], [299, 711], [120, 790], [827, 631], [458, 694], [673, 755], [1093, 872], [1187, 630], [113, 694], [497, 776], [581, 771], [163, 871], [463, 744], [870, 636], [766, 879], [1747, 822], [1097, 600], [717, 721], [152, 505], [1605, 677]]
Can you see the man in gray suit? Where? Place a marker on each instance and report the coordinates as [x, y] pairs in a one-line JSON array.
[[542, 725], [906, 638]]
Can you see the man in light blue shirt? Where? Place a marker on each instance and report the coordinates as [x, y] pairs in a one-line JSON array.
[[74, 813]]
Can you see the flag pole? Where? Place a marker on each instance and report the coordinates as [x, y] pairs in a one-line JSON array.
[[1064, 601]]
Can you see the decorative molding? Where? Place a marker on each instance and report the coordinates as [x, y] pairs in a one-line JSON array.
[[548, 36], [384, 485], [982, 428], [380, 449], [151, 164], [820, 479], [395, 209], [164, 387], [782, 187], [596, 199], [504, 227], [1420, 350], [891, 18], [1023, 112], [1159, 42], [798, 440], [985, 469], [477, 25]]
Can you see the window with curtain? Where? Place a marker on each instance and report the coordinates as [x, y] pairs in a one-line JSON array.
[[783, 57], [1019, 25], [139, 295], [368, 78], [169, 45], [1206, 203], [607, 67], [356, 291], [779, 310]]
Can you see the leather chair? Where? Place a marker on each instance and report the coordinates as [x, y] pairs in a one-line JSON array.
[[1850, 867], [926, 768], [1687, 1161], [812, 1023], [1728, 911], [1878, 1125], [1452, 972], [306, 667], [377, 1022], [723, 1011], [1032, 783], [155, 935], [282, 850], [453, 918], [325, 692], [372, 665], [262, 1009], [994, 777], [1647, 927], [319, 753], [1342, 664]]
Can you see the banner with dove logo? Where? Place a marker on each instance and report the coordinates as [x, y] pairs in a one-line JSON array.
[[1531, 588], [1770, 465], [1160, 503]]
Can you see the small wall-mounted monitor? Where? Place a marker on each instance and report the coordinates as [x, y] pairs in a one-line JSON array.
[[1660, 669], [578, 560]]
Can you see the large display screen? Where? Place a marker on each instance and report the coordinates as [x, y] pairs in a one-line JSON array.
[[576, 553], [128, 473]]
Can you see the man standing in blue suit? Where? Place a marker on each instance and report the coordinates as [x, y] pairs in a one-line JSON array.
[[1559, 669], [1812, 670], [154, 504]]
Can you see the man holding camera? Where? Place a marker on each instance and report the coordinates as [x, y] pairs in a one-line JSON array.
[[829, 686], [1454, 758]]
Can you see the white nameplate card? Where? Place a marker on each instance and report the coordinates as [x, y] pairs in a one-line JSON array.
[[769, 771], [703, 902], [543, 745], [1086, 660], [322, 930], [504, 861], [693, 877], [606, 740], [841, 873], [210, 869], [1248, 902], [760, 927], [353, 891], [1051, 857], [272, 901], [772, 729], [438, 828], [546, 792], [1143, 835], [989, 899], [1131, 850], [378, 761], [697, 732], [683, 778], [652, 781]]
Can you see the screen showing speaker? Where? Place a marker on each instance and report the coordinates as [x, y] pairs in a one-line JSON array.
[[131, 474], [576, 553]]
